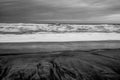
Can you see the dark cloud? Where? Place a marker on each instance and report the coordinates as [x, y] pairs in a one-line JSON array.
[[50, 10]]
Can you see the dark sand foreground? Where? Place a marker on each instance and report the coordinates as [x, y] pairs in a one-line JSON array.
[[60, 61]]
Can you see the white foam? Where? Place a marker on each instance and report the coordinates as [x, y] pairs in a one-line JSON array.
[[59, 37]]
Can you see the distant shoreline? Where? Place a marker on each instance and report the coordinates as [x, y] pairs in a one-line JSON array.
[[57, 22]]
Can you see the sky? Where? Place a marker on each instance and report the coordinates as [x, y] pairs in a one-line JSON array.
[[82, 11]]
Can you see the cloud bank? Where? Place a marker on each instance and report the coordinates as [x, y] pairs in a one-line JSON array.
[[60, 10]]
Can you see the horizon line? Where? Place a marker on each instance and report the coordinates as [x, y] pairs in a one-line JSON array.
[[55, 23]]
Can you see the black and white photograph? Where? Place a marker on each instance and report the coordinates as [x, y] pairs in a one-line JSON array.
[[59, 39]]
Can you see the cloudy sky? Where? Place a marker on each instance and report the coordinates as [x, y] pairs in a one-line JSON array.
[[95, 11]]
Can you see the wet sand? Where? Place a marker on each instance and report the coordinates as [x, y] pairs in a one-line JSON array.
[[31, 47], [96, 64], [77, 60]]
